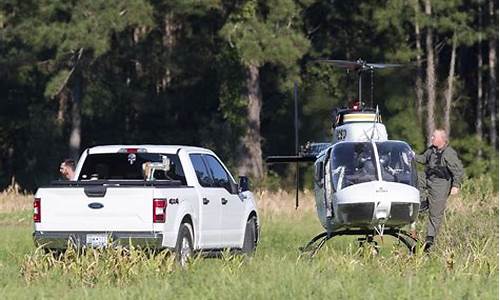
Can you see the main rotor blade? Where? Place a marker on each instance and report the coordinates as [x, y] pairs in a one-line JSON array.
[[351, 65], [356, 65], [383, 66]]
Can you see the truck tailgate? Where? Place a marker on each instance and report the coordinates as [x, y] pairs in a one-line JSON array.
[[119, 209]]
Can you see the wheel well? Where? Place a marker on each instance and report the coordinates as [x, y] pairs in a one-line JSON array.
[[189, 220], [253, 214]]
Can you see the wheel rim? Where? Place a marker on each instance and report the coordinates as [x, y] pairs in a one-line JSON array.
[[185, 250]]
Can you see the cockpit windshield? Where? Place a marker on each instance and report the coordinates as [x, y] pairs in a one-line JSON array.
[[356, 162], [353, 163], [397, 162]]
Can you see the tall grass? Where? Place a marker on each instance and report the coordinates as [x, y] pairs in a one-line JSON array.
[[12, 199], [282, 202], [464, 263], [109, 266]]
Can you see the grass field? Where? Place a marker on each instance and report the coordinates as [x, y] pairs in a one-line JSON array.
[[464, 265]]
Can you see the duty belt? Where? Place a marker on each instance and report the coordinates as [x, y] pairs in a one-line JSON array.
[[439, 172]]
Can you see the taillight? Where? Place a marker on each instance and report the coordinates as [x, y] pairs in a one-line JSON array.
[[37, 211], [159, 210]]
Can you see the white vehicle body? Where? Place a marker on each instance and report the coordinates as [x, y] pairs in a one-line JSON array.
[[105, 206]]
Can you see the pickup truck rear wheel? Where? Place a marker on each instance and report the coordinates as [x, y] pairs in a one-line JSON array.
[[184, 247], [250, 240]]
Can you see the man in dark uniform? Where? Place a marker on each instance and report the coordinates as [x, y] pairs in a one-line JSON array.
[[443, 175]]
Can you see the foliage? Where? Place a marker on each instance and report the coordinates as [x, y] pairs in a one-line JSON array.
[[403, 123], [174, 72], [479, 158], [266, 32]]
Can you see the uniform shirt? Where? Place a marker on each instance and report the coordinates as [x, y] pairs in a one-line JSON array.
[[449, 158]]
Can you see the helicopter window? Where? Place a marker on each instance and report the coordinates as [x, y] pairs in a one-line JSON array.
[[353, 163], [397, 162]]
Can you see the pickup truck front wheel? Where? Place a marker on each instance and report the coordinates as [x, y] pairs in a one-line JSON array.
[[184, 247], [250, 240]]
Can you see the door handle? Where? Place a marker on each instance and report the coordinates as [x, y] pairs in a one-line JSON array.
[[205, 201], [223, 201]]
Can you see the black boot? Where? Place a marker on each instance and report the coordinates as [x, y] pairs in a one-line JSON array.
[[429, 242], [424, 206]]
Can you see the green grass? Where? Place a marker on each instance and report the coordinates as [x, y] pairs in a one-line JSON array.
[[464, 265]]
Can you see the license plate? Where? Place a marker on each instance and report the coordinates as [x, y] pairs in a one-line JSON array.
[[97, 240]]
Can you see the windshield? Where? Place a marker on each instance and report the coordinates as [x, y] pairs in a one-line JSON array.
[[353, 163], [131, 166], [397, 162]]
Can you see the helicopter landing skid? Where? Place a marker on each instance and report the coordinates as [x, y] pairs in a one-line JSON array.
[[317, 242]]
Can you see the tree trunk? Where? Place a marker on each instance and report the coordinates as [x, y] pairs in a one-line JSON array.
[[479, 103], [431, 76], [492, 82], [9, 164], [63, 100], [138, 34], [419, 82], [170, 28], [449, 90], [76, 118], [250, 149], [479, 100]]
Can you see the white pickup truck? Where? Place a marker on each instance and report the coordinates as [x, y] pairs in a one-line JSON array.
[[177, 197]]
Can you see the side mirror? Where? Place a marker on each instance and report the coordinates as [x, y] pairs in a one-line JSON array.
[[244, 184]]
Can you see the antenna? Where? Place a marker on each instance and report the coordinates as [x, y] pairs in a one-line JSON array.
[[371, 87], [296, 123], [377, 116]]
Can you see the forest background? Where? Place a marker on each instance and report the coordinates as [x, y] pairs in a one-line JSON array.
[[220, 74]]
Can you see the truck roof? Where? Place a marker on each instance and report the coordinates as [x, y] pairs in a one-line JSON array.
[[148, 148]]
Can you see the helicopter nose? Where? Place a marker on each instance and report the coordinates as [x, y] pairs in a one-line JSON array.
[[382, 211], [381, 216]]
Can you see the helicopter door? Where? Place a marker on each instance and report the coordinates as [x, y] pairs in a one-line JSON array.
[[328, 192], [397, 162]]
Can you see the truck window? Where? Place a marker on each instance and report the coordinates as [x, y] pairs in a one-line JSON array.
[[219, 174], [129, 166], [204, 177]]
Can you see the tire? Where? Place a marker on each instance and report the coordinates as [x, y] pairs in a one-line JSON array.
[[250, 239], [184, 249]]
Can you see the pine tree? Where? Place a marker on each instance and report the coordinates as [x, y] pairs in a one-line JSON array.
[[262, 32], [73, 36]]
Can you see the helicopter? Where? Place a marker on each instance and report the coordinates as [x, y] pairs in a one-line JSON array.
[[364, 183]]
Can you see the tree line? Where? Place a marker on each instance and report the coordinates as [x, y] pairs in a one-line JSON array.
[[220, 74]]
